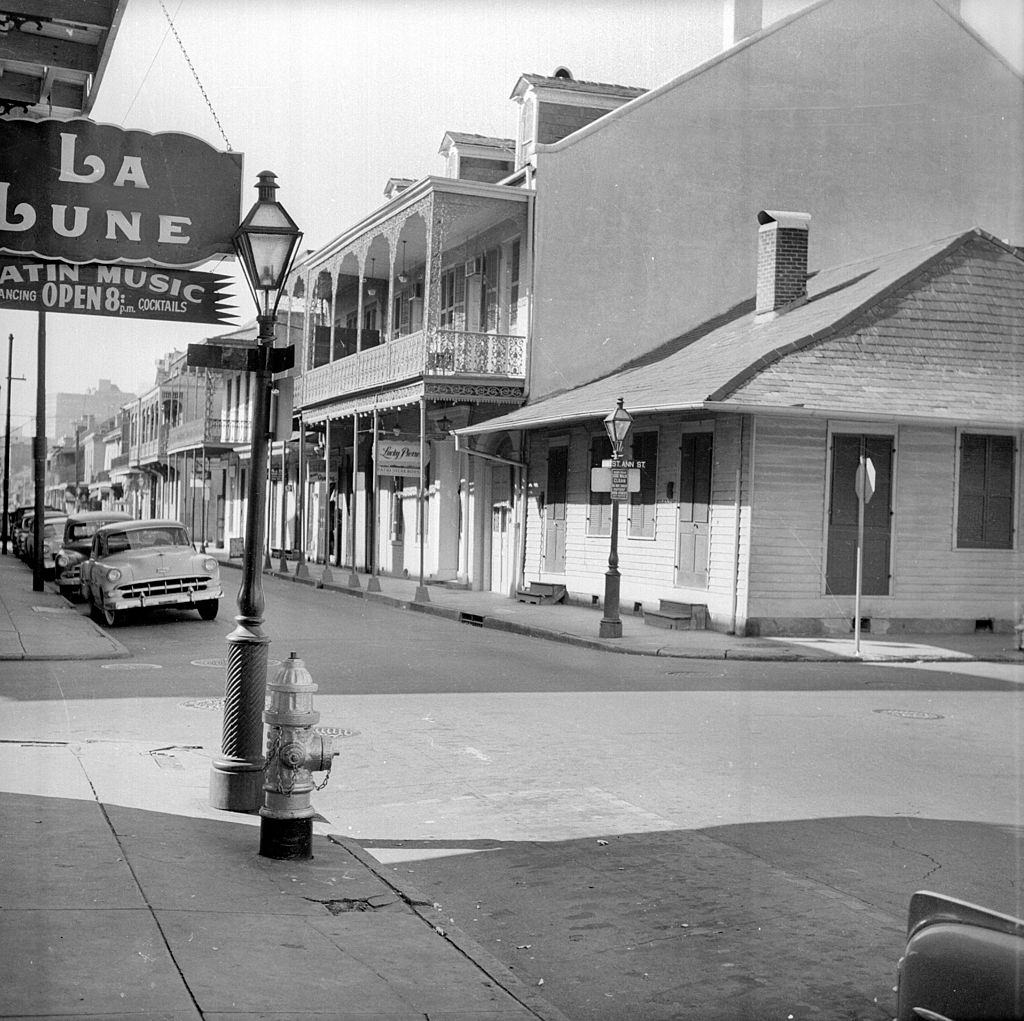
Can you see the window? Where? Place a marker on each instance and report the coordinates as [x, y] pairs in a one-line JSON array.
[[513, 291], [453, 298], [489, 292], [643, 504], [985, 513], [599, 515]]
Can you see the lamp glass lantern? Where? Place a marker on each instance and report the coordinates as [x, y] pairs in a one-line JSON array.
[[266, 242], [617, 426]]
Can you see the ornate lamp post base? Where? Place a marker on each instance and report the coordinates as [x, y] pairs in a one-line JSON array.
[[236, 776]]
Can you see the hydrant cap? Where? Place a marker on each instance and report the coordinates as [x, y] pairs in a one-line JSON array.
[[293, 672]]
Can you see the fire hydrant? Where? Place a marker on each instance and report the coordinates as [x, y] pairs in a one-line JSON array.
[[294, 752]]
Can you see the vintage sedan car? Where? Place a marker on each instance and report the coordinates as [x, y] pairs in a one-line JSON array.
[[25, 542], [15, 527], [53, 533], [75, 545], [141, 564]]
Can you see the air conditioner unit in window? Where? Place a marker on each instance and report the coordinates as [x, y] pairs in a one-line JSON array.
[[474, 267]]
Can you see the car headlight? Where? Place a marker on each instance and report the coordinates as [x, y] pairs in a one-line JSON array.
[[60, 560], [210, 565], [113, 574], [46, 548]]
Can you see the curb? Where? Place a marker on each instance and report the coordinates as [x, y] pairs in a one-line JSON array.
[[759, 655], [432, 915]]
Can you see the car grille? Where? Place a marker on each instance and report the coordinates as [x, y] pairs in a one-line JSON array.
[[164, 586]]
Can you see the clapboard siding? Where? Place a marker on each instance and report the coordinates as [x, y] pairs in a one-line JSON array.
[[931, 577], [786, 547], [646, 565]]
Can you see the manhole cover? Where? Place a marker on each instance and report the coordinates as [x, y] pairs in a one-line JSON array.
[[336, 732], [203, 703], [910, 714], [131, 666]]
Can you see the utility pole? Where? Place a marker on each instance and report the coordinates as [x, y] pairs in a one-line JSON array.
[[5, 525]]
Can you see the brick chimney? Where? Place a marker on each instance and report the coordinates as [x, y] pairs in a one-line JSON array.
[[781, 259], [741, 18]]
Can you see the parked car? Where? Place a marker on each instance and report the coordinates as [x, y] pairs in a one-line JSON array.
[[961, 962], [26, 538], [53, 533], [141, 564], [75, 545]]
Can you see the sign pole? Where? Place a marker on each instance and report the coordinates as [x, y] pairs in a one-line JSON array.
[[860, 556], [5, 524], [39, 454]]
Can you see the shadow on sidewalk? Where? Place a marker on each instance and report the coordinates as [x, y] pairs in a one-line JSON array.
[[801, 919]]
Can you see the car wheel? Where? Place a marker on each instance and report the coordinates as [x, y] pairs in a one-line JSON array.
[[69, 592], [112, 618], [208, 609], [95, 612]]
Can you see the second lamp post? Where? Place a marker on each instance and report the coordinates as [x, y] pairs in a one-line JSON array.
[[617, 426]]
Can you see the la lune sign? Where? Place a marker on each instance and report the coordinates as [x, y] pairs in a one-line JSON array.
[[78, 192]]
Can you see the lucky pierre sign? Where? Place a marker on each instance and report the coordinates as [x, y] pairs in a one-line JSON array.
[[79, 192]]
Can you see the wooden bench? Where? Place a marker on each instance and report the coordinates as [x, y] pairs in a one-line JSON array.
[[541, 592], [678, 616]]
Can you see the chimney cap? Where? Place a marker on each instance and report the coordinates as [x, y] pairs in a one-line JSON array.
[[797, 221]]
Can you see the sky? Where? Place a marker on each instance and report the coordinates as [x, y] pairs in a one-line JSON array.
[[337, 96]]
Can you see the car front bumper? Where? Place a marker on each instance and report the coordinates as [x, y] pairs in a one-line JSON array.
[[118, 601]]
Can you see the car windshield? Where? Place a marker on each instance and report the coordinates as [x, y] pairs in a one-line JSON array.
[[79, 530], [51, 529], [146, 538]]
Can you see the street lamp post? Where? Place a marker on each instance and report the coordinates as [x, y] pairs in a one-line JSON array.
[[265, 243], [617, 426]]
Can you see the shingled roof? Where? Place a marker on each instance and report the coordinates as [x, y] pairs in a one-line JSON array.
[[934, 332]]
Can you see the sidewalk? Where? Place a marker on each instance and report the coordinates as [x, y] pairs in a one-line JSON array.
[[110, 912], [42, 625], [578, 625]]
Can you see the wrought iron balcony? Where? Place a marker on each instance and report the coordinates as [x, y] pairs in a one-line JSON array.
[[441, 352], [200, 432]]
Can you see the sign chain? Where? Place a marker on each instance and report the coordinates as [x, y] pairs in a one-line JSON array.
[[195, 74]]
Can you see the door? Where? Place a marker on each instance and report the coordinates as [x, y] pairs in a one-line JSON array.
[[554, 510], [694, 510], [501, 519], [841, 567]]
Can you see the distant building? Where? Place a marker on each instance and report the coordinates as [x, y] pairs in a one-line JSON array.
[[65, 410]]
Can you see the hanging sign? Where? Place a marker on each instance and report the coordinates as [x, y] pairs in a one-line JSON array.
[[398, 457], [78, 191], [126, 292]]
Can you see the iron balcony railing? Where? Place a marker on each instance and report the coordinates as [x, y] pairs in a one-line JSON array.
[[441, 352], [198, 432]]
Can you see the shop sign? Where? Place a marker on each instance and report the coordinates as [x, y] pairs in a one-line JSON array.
[[78, 191], [126, 292], [397, 457]]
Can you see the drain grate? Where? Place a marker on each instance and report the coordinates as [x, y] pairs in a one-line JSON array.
[[910, 714], [472, 619], [221, 662], [202, 703], [335, 732]]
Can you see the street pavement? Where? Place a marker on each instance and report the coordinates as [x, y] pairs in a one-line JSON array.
[[123, 894]]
